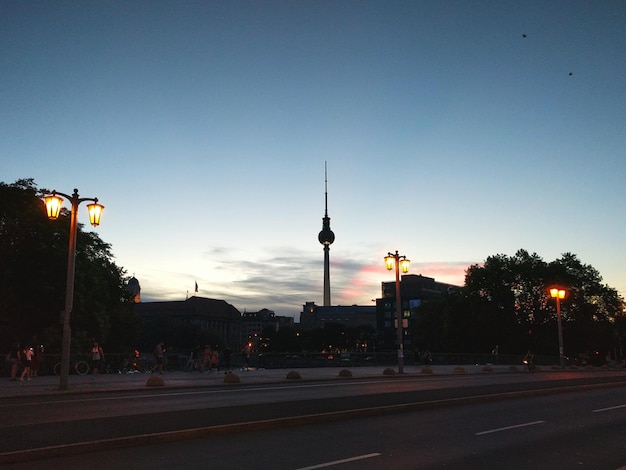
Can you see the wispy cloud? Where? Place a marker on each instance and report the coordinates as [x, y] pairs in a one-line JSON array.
[[282, 280]]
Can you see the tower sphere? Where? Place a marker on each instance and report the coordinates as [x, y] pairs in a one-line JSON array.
[[326, 236]]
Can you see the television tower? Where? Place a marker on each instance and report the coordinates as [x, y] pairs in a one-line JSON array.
[[326, 237]]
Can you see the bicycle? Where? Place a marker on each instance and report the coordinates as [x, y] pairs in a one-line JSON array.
[[81, 368], [193, 363]]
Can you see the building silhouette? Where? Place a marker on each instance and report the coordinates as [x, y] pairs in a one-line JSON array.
[[255, 324], [207, 315], [351, 316], [415, 289]]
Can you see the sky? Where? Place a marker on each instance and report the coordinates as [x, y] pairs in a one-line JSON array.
[[451, 130]]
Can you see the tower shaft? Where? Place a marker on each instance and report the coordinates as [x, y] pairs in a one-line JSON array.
[[326, 276]]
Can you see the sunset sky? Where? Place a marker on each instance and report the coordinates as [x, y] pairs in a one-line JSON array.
[[453, 131]]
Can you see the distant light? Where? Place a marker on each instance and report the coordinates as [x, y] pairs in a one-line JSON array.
[[560, 293]]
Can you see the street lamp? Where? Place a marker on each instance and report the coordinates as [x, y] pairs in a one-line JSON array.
[[559, 294], [399, 262], [53, 209]]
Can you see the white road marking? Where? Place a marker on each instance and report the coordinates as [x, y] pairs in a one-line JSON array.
[[508, 428], [339, 462], [600, 410]]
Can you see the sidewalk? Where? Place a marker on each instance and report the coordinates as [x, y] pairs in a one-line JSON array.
[[49, 385]]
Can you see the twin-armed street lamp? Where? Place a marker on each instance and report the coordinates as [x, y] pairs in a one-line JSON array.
[[53, 208], [559, 294], [400, 262]]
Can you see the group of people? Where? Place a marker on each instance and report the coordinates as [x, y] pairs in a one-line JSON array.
[[27, 358], [25, 361], [209, 360], [205, 359]]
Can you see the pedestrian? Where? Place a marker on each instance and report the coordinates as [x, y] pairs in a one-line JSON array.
[[158, 356], [38, 350], [246, 357], [206, 358], [228, 354], [215, 360], [97, 358], [26, 356], [428, 358], [13, 360], [494, 352], [529, 360], [196, 359]]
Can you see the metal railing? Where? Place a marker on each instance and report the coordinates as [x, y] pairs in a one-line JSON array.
[[178, 361]]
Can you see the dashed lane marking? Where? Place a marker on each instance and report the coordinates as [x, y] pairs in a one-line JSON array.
[[339, 462], [507, 428]]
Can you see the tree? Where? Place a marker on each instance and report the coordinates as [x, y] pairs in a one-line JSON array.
[[508, 299], [33, 266]]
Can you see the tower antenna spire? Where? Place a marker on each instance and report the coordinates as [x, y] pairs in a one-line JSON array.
[[325, 189]]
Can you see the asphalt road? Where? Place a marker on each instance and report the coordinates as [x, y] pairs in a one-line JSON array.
[[44, 427], [39, 426], [554, 431]]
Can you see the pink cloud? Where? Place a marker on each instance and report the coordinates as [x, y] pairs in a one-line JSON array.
[[450, 272], [365, 284]]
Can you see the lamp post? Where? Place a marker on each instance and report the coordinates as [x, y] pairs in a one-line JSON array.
[[399, 262], [559, 294], [53, 208]]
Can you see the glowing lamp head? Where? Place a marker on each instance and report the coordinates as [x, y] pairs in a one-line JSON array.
[[390, 262], [405, 264], [53, 206], [95, 213], [557, 293]]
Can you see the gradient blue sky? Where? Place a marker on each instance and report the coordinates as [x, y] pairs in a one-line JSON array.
[[203, 128]]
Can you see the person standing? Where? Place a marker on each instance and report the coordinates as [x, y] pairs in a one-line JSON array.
[[529, 360], [97, 358], [158, 356], [228, 354], [13, 360], [215, 360], [246, 357], [38, 350], [206, 358], [26, 357]]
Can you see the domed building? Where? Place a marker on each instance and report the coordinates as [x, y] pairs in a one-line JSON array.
[[134, 289]]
